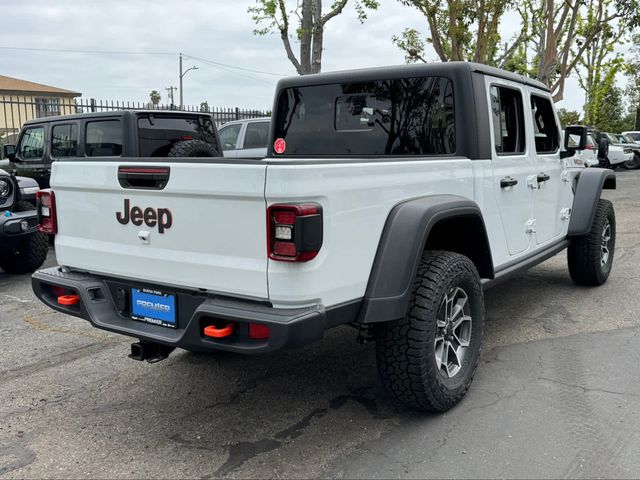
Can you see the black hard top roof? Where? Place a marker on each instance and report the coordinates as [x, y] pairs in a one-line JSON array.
[[115, 113], [407, 71]]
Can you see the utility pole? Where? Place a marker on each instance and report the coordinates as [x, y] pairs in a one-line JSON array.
[[182, 74], [170, 91]]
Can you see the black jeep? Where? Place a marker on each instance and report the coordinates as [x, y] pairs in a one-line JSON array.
[[22, 248], [127, 133]]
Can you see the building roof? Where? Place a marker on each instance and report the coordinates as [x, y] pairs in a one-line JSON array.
[[10, 84]]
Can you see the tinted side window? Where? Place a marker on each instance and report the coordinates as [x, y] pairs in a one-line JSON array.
[[229, 136], [411, 116], [157, 135], [256, 135], [508, 120], [64, 141], [32, 144], [544, 125], [103, 139]]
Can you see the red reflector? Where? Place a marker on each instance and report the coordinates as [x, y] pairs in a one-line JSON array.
[[186, 137], [257, 331], [69, 300], [285, 249], [215, 332], [284, 217]]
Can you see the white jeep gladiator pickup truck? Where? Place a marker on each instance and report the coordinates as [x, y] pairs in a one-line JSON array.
[[389, 199]]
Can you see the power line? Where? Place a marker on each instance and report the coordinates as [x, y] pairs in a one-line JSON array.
[[90, 52], [222, 66], [206, 60]]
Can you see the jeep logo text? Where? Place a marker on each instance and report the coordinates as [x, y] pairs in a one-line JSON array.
[[149, 216]]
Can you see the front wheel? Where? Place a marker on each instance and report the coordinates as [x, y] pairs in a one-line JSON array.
[[590, 257], [427, 359]]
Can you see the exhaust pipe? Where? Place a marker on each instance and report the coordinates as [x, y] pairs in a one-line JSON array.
[[149, 351]]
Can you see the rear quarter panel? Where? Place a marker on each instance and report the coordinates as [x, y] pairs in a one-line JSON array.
[[356, 199]]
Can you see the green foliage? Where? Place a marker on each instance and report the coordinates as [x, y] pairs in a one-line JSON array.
[[568, 117], [155, 97], [307, 21], [613, 118], [204, 106], [457, 30]]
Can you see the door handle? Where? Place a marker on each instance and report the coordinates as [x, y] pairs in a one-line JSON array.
[[543, 177], [508, 182]]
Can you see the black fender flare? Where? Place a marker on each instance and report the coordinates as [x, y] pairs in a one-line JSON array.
[[402, 243], [587, 190]]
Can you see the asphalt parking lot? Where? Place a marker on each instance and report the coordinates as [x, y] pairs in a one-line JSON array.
[[556, 393]]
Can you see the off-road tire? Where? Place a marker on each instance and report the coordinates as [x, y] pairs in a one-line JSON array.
[[406, 349], [30, 252], [585, 255], [193, 148]]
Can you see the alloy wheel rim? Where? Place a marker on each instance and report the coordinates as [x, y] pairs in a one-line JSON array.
[[453, 335], [604, 246]]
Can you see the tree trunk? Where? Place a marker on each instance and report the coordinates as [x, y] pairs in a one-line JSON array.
[[306, 35]]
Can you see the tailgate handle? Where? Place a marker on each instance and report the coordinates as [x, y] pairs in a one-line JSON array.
[[144, 178]]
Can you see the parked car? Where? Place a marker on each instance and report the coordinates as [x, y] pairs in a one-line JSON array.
[[627, 141], [610, 154], [589, 156], [127, 133], [621, 151], [245, 138], [390, 198], [22, 248], [633, 135]]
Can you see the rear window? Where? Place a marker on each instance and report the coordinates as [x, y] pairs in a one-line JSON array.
[[157, 135], [103, 139], [411, 116]]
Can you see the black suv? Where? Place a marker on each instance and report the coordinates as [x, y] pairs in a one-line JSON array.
[[22, 248], [127, 133]]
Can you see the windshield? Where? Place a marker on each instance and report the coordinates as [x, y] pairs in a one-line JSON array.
[[635, 136]]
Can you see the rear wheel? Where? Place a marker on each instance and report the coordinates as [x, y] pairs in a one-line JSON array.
[[427, 360], [590, 258], [29, 253]]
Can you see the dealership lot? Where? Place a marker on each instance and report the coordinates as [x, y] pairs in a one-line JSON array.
[[556, 393]]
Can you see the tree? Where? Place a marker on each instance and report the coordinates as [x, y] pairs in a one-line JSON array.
[[155, 97], [204, 106], [568, 117], [278, 15], [613, 118], [458, 30], [632, 73], [562, 31]]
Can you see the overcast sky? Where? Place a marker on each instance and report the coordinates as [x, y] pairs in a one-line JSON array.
[[218, 30]]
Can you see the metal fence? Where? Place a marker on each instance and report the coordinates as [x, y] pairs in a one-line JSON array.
[[17, 109]]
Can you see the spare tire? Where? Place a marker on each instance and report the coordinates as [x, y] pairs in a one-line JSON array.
[[193, 148]]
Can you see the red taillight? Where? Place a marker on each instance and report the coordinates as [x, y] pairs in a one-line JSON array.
[[258, 331], [46, 212], [590, 147], [294, 232]]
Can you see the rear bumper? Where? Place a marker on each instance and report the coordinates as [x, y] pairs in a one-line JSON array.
[[102, 304], [16, 225]]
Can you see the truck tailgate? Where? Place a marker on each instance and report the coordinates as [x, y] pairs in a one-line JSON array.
[[205, 229]]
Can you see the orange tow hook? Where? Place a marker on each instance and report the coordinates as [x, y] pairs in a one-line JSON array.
[[212, 331], [69, 300]]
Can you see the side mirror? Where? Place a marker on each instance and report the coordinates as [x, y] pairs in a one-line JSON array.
[[5, 163], [9, 152], [575, 138]]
